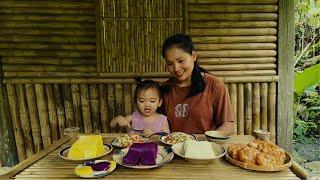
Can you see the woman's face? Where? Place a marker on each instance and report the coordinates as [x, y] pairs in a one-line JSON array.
[[148, 102], [180, 65]]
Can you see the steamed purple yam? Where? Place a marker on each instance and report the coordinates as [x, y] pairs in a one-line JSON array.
[[141, 153], [100, 166], [132, 157]]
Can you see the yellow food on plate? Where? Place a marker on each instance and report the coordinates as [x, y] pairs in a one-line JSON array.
[[198, 150], [83, 171], [88, 146]]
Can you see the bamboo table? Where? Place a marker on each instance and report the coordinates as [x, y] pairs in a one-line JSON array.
[[48, 165]]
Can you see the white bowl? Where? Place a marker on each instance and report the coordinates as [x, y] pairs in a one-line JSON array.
[[217, 134], [218, 149]]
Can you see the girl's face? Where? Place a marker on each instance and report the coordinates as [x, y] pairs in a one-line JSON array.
[[148, 102], [180, 65]]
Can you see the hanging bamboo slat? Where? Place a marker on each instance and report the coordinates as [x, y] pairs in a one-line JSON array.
[[60, 108], [257, 60], [75, 92], [233, 8], [232, 24], [233, 16], [233, 32], [230, 67], [240, 108], [234, 46], [48, 61], [238, 53], [234, 102], [52, 112], [24, 119], [66, 92], [264, 106], [94, 107], [248, 108], [85, 106], [272, 110], [43, 115], [232, 2], [34, 118], [233, 39], [103, 108], [256, 106]]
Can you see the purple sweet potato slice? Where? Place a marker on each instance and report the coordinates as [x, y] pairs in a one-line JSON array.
[[100, 166], [132, 157], [149, 156], [141, 153]]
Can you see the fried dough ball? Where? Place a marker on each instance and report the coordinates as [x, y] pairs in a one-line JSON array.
[[247, 155]]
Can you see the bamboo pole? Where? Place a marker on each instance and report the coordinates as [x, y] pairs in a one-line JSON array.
[[49, 74], [31, 17], [133, 100], [230, 67], [248, 108], [256, 106], [48, 61], [52, 112], [111, 101], [45, 46], [232, 24], [251, 73], [234, 102], [100, 31], [272, 106], [34, 118], [54, 4], [257, 60], [119, 99], [240, 109], [46, 39], [24, 119], [103, 109], [238, 53], [264, 106], [67, 80], [233, 32], [60, 108], [57, 25], [233, 39], [233, 8], [16, 122], [85, 106], [233, 16], [44, 53], [94, 107], [68, 107], [127, 99], [75, 92], [236, 46], [43, 115]]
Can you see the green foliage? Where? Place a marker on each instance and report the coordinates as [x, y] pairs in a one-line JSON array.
[[309, 77]]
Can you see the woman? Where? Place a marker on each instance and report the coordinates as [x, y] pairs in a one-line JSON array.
[[194, 101]]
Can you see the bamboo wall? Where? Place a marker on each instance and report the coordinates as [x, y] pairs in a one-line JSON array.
[[73, 63]]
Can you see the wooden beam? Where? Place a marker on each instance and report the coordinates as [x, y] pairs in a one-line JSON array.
[[285, 71]]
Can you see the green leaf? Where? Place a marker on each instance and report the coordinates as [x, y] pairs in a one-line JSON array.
[[309, 77]]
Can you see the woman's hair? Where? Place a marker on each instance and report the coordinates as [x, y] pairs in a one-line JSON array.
[[147, 84], [185, 43]]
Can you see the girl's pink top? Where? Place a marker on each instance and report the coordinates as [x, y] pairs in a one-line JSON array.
[[156, 126]]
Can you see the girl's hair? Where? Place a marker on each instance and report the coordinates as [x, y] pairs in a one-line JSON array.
[[147, 84], [185, 43]]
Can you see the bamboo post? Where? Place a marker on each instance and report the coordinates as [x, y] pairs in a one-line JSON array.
[[34, 118], [25, 121], [94, 107], [85, 106], [256, 106], [66, 92], [75, 91], [60, 108], [248, 108], [134, 101], [103, 105], [43, 115], [16, 122], [119, 99], [264, 105], [272, 106], [240, 109], [52, 110], [234, 102], [127, 99], [111, 101]]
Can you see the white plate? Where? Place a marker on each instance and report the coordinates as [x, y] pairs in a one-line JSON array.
[[99, 174], [217, 149], [217, 134], [115, 142], [162, 138], [64, 153], [164, 156]]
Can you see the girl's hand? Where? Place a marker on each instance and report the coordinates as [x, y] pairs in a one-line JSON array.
[[122, 122], [148, 132]]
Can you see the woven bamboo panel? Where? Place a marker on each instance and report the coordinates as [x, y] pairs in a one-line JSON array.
[[48, 36]]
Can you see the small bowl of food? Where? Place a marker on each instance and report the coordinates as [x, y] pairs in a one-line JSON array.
[[219, 137], [176, 137], [95, 169], [198, 152], [261, 134]]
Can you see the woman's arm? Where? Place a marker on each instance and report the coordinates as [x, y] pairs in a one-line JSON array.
[[226, 126]]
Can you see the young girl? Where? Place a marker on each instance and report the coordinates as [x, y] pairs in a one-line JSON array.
[[148, 98]]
